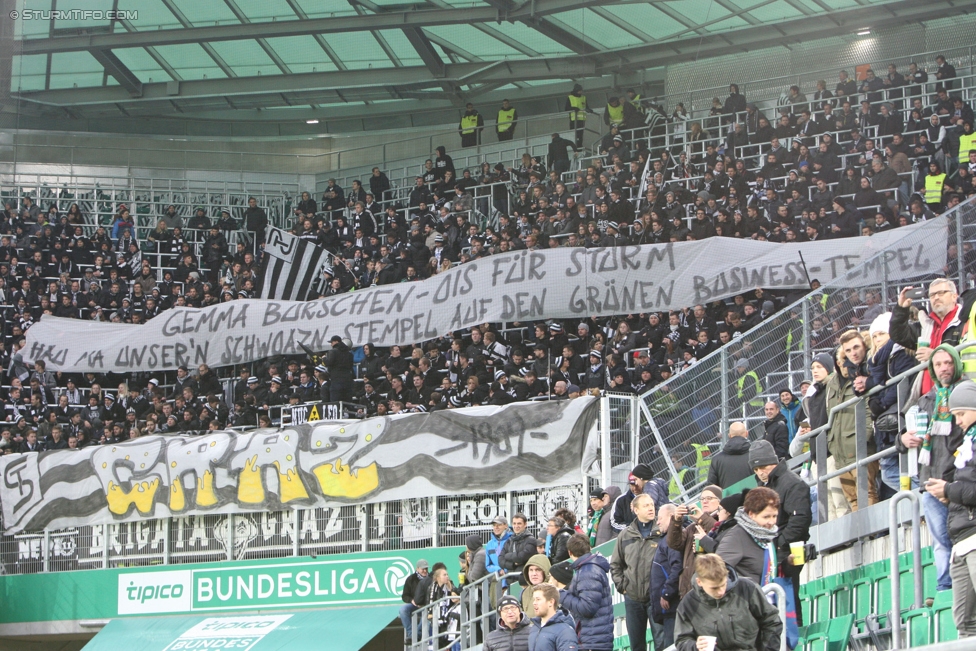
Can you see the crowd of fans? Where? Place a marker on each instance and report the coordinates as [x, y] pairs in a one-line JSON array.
[[682, 569]]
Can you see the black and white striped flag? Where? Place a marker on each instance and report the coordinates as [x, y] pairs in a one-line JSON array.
[[292, 267]]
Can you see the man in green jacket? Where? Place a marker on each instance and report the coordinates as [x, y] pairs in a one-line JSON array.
[[846, 382], [727, 609], [630, 568]]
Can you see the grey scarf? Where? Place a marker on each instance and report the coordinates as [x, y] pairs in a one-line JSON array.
[[761, 535]]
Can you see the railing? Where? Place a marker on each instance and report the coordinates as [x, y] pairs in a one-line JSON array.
[[894, 617], [475, 615], [697, 405]]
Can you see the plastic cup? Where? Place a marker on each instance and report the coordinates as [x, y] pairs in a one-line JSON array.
[[923, 343], [711, 641], [797, 551], [905, 482]]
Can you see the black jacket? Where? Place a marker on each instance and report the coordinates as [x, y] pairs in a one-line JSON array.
[[516, 552], [778, 435], [961, 494], [557, 546], [339, 362], [731, 465], [795, 515], [504, 638]]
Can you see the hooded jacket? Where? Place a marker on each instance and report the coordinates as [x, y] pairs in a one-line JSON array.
[[942, 456], [795, 514], [731, 464], [493, 550], [542, 562], [504, 638], [558, 634], [742, 619], [907, 333], [587, 598], [630, 565], [792, 413]]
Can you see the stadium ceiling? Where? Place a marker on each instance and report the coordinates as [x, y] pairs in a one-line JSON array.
[[294, 60]]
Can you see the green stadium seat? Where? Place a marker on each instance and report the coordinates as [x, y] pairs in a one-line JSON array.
[[863, 593], [841, 596], [943, 627], [918, 627], [832, 635]]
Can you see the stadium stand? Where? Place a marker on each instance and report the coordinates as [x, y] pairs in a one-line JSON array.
[[127, 250]]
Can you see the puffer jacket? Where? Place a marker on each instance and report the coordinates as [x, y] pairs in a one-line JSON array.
[[742, 619], [558, 634], [630, 565], [540, 561], [587, 598], [504, 638], [941, 462]]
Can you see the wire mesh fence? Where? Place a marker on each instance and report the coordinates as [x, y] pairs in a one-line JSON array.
[[689, 415]]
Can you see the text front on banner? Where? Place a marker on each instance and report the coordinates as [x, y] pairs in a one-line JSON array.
[[521, 286]]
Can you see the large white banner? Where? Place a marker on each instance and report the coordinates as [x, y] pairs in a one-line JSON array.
[[519, 286], [520, 446]]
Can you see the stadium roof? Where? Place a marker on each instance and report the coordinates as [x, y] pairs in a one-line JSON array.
[[302, 59]]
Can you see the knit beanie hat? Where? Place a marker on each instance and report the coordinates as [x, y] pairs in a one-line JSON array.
[[732, 503], [963, 396], [880, 324], [562, 572], [826, 360], [762, 453]]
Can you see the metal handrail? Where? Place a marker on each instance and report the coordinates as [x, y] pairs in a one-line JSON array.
[[894, 617], [777, 590], [472, 594]]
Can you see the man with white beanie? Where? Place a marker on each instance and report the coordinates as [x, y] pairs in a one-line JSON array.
[[960, 496]]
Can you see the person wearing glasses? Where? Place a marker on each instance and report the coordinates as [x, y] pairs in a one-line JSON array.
[[944, 323]]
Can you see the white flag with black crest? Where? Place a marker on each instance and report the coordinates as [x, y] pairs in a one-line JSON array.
[[291, 267]]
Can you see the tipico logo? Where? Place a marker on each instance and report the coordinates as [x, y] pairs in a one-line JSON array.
[[155, 592]]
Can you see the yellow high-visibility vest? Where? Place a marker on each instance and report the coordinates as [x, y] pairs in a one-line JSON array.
[[469, 123], [968, 355], [505, 120], [740, 384], [578, 111], [636, 103], [966, 143], [616, 114], [933, 187], [676, 484]]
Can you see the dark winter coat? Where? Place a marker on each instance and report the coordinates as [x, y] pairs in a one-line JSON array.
[[587, 598], [630, 565], [961, 494], [742, 619], [683, 538], [665, 575], [557, 546], [731, 465], [795, 514], [504, 638], [740, 551], [558, 634], [778, 435], [518, 549]]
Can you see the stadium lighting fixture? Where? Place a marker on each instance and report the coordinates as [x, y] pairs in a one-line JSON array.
[[312, 121], [864, 32]]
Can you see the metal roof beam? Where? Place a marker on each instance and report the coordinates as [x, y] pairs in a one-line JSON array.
[[426, 50], [562, 36], [113, 66], [368, 22], [569, 67]]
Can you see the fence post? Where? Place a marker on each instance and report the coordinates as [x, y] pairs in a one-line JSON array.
[[166, 522], [959, 252], [435, 521], [230, 537], [106, 532], [46, 552], [364, 526], [724, 393], [296, 538], [807, 353], [861, 438]]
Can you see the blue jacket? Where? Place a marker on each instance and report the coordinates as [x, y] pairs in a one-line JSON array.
[[665, 572], [790, 414], [559, 633], [492, 548], [587, 598]]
